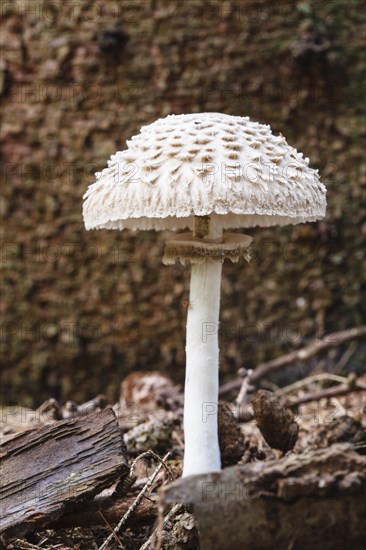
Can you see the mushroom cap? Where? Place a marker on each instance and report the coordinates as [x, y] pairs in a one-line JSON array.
[[204, 164]]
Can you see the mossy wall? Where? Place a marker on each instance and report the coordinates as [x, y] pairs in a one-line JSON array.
[[81, 309]]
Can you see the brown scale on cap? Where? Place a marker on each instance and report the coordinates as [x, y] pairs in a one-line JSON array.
[[204, 164]]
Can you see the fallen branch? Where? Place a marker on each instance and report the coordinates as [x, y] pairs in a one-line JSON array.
[[334, 391], [24, 545], [320, 377], [298, 356], [243, 397], [134, 504]]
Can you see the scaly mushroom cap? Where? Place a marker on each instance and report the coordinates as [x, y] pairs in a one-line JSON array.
[[204, 164]]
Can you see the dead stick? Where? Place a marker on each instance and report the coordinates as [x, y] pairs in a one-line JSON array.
[[298, 356], [336, 391], [135, 504], [243, 394], [321, 377], [24, 545]]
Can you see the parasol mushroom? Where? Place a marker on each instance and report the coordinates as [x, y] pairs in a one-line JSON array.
[[206, 172]]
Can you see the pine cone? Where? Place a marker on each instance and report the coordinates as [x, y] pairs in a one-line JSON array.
[[275, 421]]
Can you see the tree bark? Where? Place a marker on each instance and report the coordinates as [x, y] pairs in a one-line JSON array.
[[315, 500], [46, 471]]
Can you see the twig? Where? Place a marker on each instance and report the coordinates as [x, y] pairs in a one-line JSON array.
[[345, 357], [157, 533], [309, 380], [106, 508], [106, 522], [245, 385], [298, 356], [136, 502], [27, 545], [336, 391], [127, 482], [154, 455], [330, 341]]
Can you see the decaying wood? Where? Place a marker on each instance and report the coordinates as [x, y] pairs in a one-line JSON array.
[[72, 409], [329, 341], [314, 500], [47, 470], [15, 419]]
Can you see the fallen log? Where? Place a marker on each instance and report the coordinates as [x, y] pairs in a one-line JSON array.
[[314, 500], [45, 471]]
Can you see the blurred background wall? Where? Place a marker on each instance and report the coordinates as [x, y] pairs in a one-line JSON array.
[[82, 309]]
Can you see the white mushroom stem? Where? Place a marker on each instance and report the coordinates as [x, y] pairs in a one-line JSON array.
[[202, 452]]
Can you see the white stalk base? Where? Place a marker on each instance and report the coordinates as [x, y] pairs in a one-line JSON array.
[[202, 452]]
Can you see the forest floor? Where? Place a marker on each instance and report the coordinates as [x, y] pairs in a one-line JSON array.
[[265, 426]]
